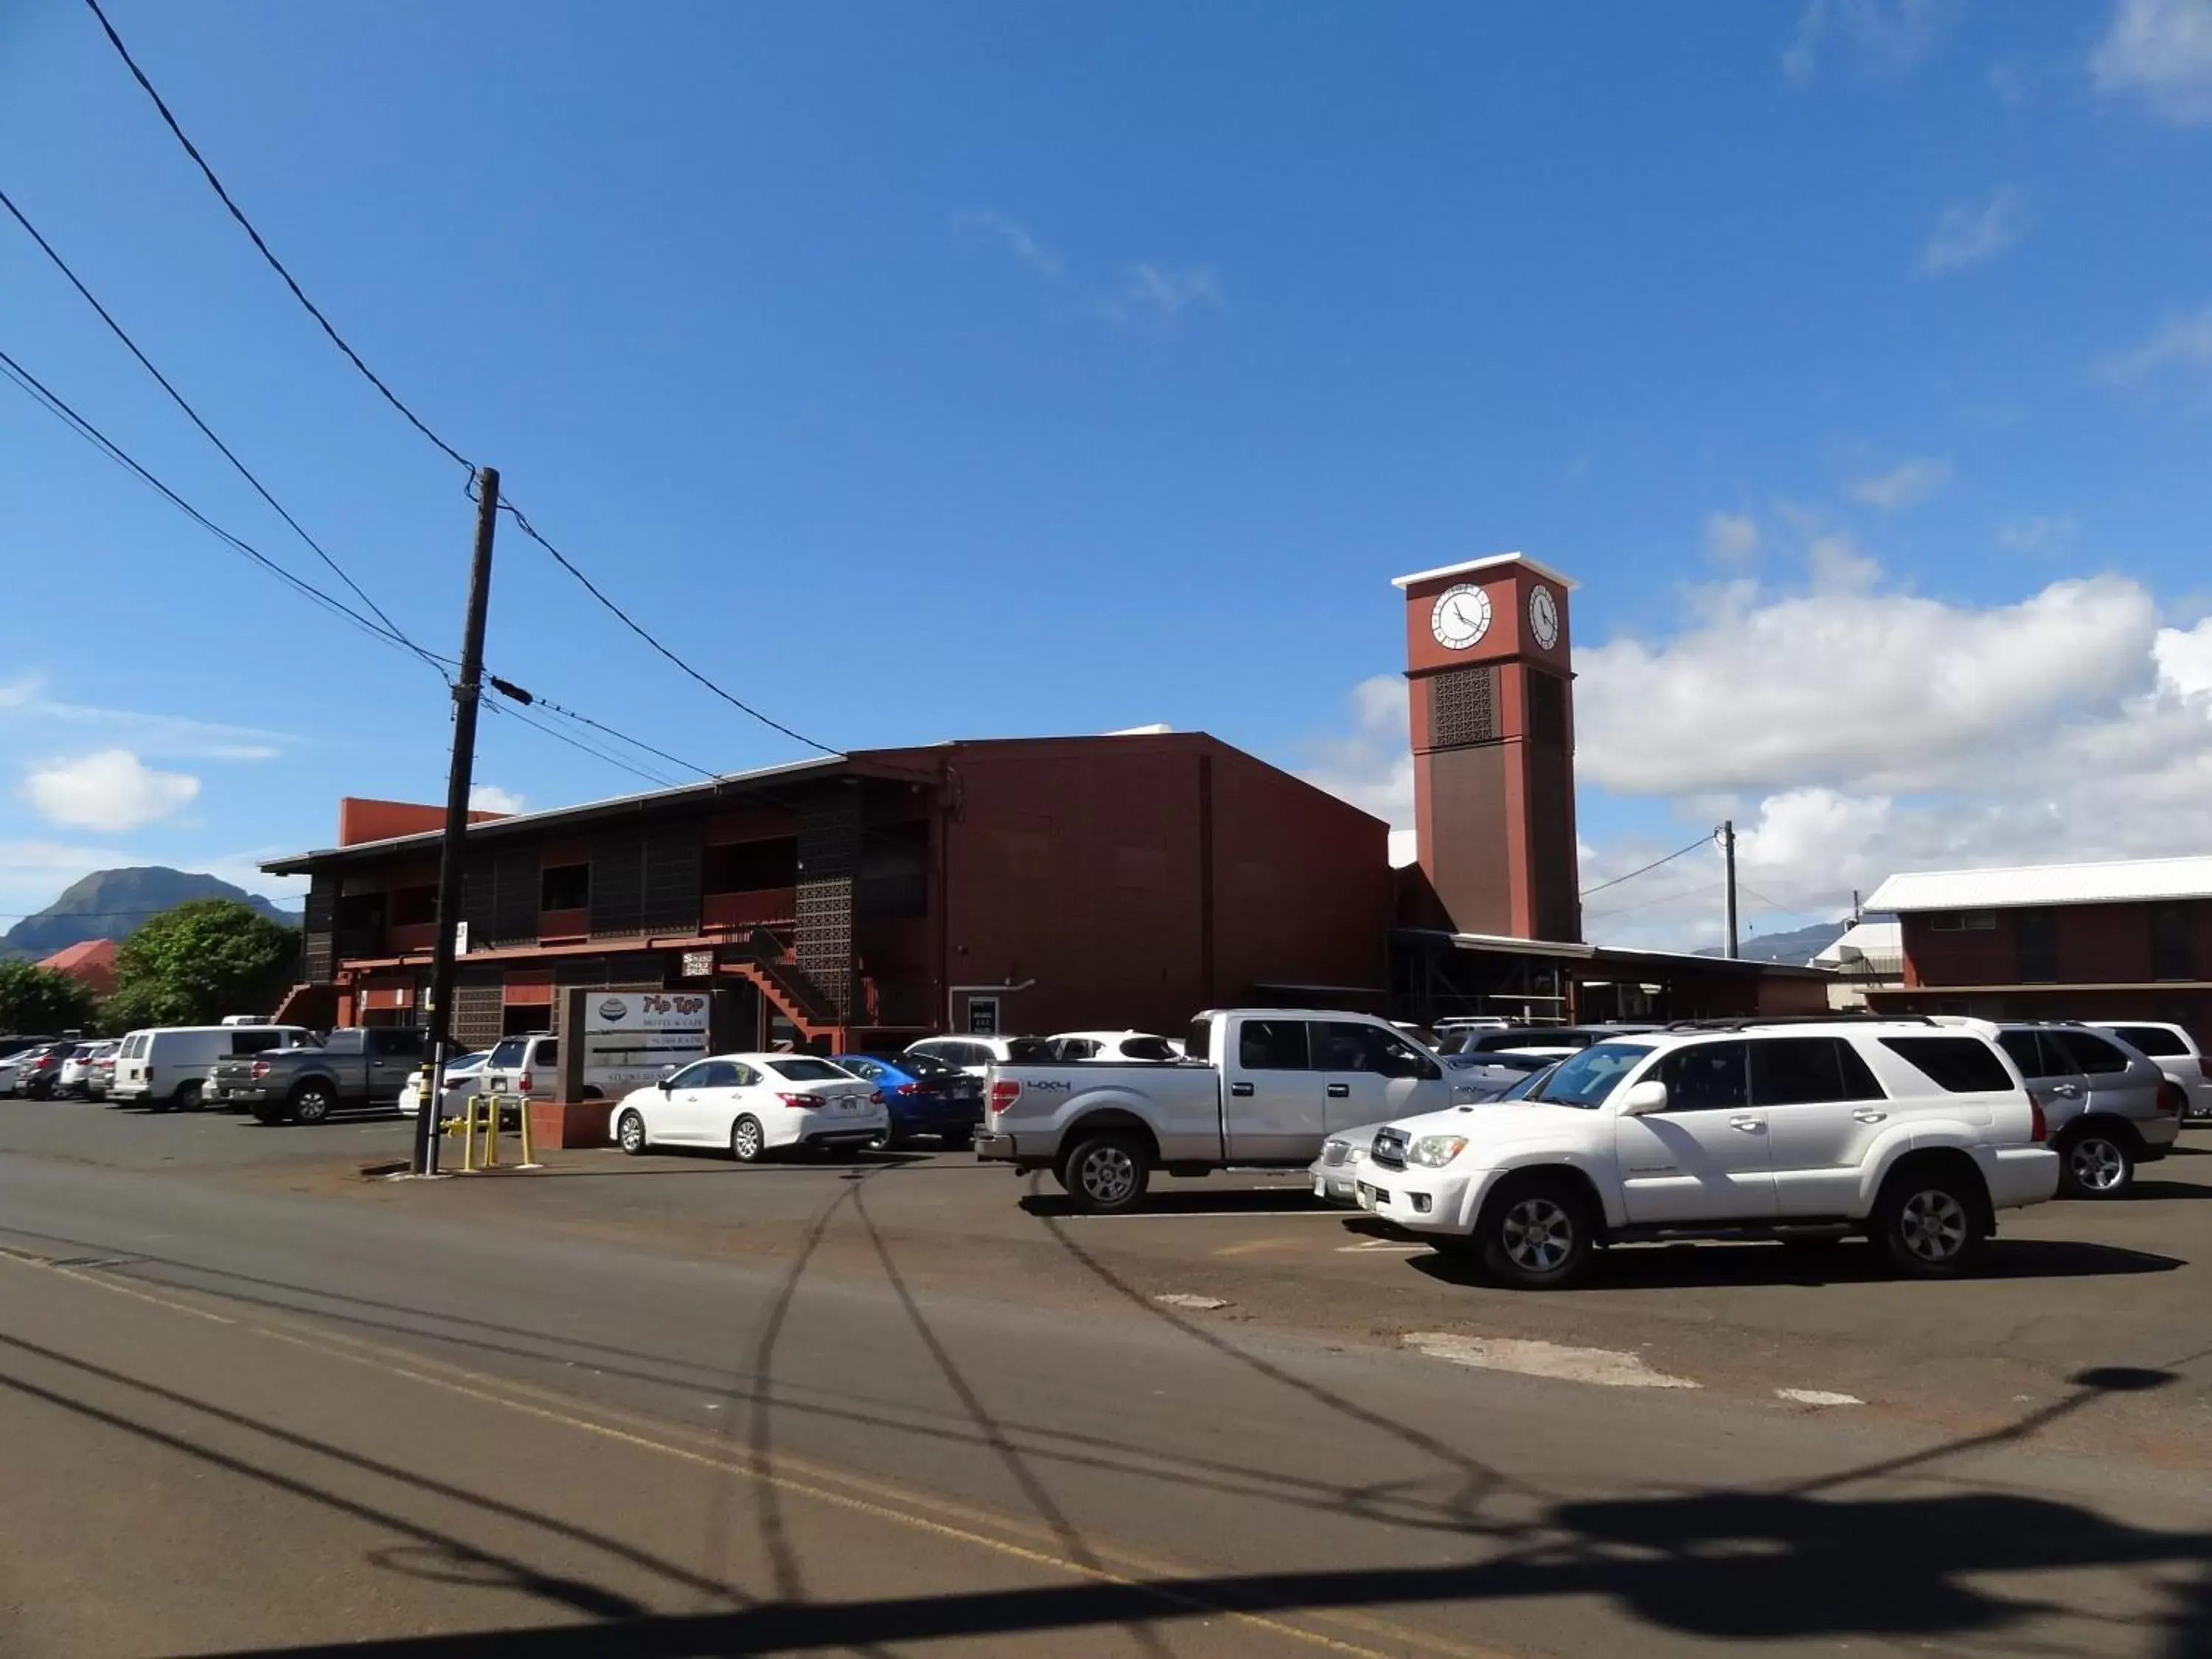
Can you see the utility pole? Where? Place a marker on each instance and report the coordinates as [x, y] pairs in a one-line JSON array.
[[467, 690], [1728, 851]]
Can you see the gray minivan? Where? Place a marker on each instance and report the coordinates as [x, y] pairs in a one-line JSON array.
[[2108, 1106]]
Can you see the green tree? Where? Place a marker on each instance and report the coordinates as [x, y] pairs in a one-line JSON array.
[[35, 1000], [194, 964]]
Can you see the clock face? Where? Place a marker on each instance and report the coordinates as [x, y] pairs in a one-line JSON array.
[[1460, 617], [1543, 615]]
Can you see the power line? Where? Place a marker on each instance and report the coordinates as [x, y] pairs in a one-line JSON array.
[[1645, 904], [177, 397], [559, 735], [521, 522], [59, 408], [628, 622], [514, 693], [275, 264], [1701, 840]]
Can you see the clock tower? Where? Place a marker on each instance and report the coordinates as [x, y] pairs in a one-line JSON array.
[[1493, 730]]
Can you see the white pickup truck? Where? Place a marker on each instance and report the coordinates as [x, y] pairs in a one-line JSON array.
[[1259, 1087]]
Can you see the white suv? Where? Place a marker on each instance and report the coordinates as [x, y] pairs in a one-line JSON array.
[[1912, 1134]]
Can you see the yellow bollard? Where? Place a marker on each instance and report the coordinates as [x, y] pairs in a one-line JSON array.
[[528, 1162], [468, 1136]]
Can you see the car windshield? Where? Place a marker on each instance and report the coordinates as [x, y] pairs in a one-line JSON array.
[[1528, 1084], [1587, 1078], [1147, 1048], [920, 1062], [508, 1053]]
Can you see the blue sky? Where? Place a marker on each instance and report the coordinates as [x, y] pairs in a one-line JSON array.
[[962, 370]]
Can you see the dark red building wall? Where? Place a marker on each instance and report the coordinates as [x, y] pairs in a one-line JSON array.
[[1076, 866], [1302, 883], [1084, 866], [2096, 944]]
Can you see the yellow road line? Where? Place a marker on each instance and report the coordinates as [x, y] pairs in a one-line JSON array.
[[507, 1392]]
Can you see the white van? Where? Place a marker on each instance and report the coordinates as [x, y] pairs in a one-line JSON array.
[[169, 1065]]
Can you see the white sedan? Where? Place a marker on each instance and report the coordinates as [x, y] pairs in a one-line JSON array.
[[753, 1104], [463, 1077]]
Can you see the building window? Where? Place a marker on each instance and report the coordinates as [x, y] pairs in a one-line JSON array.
[[2035, 933], [413, 907], [1962, 921], [2170, 955], [751, 866], [565, 887]]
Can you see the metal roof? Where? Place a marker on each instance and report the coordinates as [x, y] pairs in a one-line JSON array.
[[1490, 563], [2113, 881], [1863, 941]]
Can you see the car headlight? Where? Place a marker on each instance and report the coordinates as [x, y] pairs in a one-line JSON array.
[[1434, 1152]]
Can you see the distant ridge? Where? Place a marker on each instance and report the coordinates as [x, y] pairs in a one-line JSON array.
[[111, 904]]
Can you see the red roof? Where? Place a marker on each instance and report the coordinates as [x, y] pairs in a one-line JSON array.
[[93, 962]]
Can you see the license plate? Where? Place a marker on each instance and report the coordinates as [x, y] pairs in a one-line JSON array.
[[849, 1105], [1366, 1198]]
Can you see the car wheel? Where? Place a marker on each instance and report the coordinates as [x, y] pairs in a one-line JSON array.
[[747, 1144], [881, 1143], [1929, 1225], [1106, 1173], [2096, 1163], [1536, 1235], [190, 1097], [960, 1140], [629, 1133], [313, 1104]]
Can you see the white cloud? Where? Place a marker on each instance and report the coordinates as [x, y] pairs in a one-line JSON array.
[[1967, 233], [1016, 239], [2162, 50], [1159, 294], [1731, 538], [113, 789], [1901, 486], [2183, 340], [1854, 730], [1149, 293], [25, 698], [2039, 533], [1890, 35], [1890, 731], [1373, 767], [490, 798]]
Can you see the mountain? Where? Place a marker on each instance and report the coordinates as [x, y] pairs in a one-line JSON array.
[[1797, 947], [110, 903]]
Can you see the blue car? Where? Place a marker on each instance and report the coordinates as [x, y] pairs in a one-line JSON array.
[[927, 1096]]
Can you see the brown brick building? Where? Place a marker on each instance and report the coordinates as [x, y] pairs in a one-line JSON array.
[[1037, 884], [2120, 940]]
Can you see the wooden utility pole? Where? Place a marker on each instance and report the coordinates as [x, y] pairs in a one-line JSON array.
[[1728, 852], [467, 692]]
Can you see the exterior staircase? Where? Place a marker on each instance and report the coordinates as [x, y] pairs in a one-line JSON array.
[[787, 989]]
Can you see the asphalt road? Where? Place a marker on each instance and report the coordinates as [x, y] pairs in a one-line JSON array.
[[250, 1401]]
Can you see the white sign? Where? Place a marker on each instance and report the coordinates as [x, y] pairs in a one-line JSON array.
[[698, 964], [632, 1037]]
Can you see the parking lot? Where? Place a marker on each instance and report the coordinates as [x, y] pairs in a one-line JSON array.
[[2067, 1287]]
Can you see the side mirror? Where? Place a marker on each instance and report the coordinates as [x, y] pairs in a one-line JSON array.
[[665, 1078], [1642, 1099]]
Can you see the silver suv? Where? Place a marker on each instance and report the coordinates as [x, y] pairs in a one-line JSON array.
[[2108, 1106]]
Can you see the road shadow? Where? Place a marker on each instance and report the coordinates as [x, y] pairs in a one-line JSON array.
[[1688, 1265], [2162, 1191], [1244, 1201], [1718, 1566]]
